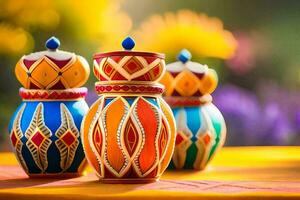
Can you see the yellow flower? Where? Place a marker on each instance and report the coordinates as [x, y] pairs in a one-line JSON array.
[[100, 21], [201, 35], [14, 40], [28, 13]]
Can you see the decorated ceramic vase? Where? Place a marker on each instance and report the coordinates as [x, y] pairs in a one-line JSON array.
[[45, 129], [201, 128], [129, 132]]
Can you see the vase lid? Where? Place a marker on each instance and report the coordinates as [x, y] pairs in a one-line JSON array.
[[129, 65], [187, 78], [52, 68]]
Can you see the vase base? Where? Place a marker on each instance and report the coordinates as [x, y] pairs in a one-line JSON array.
[[129, 180]]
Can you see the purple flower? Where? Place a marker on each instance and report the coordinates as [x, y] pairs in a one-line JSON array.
[[283, 107], [272, 119], [241, 111], [297, 120], [276, 126]]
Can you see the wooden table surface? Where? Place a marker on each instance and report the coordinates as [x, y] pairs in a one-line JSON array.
[[235, 173]]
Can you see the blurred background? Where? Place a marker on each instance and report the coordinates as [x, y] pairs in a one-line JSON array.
[[253, 45]]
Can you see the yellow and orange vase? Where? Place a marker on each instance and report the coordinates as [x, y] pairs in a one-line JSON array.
[[129, 132], [201, 129], [45, 129]]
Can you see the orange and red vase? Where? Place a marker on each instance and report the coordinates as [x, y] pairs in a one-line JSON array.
[[129, 132]]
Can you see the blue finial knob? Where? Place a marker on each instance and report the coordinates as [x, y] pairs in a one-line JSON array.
[[184, 56], [52, 43], [128, 43]]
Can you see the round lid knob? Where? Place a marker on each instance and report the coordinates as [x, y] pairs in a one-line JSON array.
[[184, 56], [52, 43], [128, 43]]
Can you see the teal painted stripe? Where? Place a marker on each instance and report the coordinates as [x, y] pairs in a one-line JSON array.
[[193, 120], [191, 156], [216, 119]]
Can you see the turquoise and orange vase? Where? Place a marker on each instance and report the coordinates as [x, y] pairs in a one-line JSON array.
[[201, 129], [45, 129], [129, 132]]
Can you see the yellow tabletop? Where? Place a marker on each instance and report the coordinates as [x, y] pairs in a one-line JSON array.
[[235, 173]]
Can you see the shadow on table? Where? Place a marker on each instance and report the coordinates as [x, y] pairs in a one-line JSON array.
[[24, 182], [88, 183]]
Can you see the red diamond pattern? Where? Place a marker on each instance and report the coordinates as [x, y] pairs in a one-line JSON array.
[[68, 138], [38, 138], [179, 139], [13, 138], [206, 139]]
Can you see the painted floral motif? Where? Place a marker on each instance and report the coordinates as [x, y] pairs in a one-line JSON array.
[[16, 135], [68, 138], [38, 135]]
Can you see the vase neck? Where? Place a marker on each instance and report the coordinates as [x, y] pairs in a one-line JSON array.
[[138, 89], [53, 95], [176, 101]]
